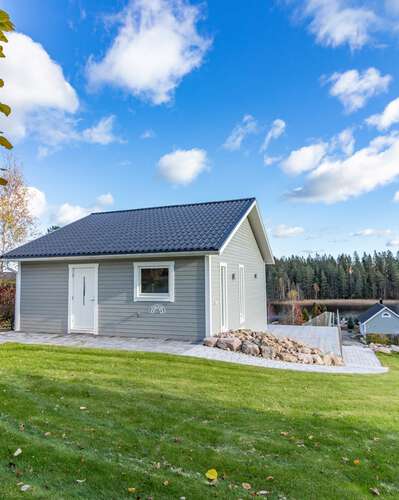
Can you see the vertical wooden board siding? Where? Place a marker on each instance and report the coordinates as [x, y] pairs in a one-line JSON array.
[[44, 300], [242, 249], [120, 315], [44, 297]]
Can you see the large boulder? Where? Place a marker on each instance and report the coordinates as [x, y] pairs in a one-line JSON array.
[[229, 343], [267, 351], [250, 348], [211, 341]]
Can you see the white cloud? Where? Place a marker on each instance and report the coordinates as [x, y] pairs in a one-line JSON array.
[[337, 22], [393, 243], [354, 88], [148, 134], [156, 46], [33, 83], [67, 213], [372, 232], [102, 133], [283, 231], [396, 197], [37, 203], [276, 130], [392, 7], [305, 158], [183, 166], [105, 199], [344, 141], [271, 160], [247, 126], [387, 118], [335, 179]]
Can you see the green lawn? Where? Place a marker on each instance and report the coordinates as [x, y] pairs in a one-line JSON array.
[[157, 423]]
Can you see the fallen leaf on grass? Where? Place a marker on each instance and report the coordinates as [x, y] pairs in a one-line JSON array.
[[21, 427], [166, 483], [246, 486], [375, 491], [80, 481], [284, 433], [25, 487], [17, 452], [82, 408], [262, 493], [356, 461], [269, 478], [131, 490], [211, 474], [47, 434]]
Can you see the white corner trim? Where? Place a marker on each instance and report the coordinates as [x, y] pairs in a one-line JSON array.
[[153, 297], [237, 227], [71, 267], [208, 296], [17, 312]]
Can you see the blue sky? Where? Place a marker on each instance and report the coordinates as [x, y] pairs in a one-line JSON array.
[[129, 104]]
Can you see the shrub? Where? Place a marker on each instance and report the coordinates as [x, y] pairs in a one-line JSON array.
[[382, 338], [7, 303], [351, 324]]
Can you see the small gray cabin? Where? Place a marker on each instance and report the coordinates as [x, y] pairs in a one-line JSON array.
[[379, 319], [179, 272]]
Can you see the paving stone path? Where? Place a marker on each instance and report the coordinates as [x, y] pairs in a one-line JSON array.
[[358, 359]]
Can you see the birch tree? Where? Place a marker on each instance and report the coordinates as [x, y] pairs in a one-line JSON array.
[[16, 220]]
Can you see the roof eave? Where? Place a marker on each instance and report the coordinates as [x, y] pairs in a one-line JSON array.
[[149, 255]]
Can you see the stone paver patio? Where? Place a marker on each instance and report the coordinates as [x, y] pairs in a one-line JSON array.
[[358, 359]]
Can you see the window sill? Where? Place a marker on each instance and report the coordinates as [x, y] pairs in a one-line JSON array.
[[153, 298]]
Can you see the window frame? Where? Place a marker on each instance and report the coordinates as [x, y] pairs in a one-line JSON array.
[[386, 314], [139, 296]]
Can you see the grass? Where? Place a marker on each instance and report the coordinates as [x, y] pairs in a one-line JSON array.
[[157, 423]]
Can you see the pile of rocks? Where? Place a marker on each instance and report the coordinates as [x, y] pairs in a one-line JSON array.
[[384, 348], [269, 346]]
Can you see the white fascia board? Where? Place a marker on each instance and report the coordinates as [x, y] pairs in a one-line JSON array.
[[163, 255]]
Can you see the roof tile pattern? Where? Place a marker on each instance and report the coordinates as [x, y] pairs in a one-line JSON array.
[[178, 228]]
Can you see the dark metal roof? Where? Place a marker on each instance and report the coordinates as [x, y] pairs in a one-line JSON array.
[[178, 228], [366, 315]]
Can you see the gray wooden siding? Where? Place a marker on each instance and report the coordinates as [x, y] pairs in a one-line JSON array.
[[242, 249], [44, 300], [44, 297], [378, 324]]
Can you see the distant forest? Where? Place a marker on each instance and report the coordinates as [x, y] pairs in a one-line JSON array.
[[345, 277]]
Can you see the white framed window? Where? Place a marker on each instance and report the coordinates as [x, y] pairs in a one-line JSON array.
[[241, 292], [154, 281], [386, 314]]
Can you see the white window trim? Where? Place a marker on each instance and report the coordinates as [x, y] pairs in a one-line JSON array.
[[241, 299], [71, 267], [154, 297], [223, 328], [208, 296], [386, 314]]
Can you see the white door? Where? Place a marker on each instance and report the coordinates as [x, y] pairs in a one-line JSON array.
[[83, 298], [223, 297]]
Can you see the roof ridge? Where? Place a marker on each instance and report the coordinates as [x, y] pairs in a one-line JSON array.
[[173, 206]]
